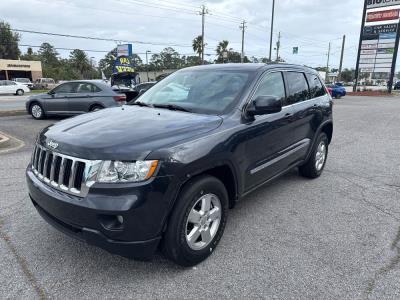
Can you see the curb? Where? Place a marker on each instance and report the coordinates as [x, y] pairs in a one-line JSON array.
[[9, 143], [10, 113]]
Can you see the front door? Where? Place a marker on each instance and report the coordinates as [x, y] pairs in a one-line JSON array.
[[269, 137], [57, 100]]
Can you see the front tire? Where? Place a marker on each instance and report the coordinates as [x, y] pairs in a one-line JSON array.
[[19, 92], [37, 111], [316, 163], [197, 222]]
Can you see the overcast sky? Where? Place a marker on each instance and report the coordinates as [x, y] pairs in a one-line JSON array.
[[308, 24]]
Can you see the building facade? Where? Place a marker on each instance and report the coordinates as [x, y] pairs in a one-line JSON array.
[[10, 69]]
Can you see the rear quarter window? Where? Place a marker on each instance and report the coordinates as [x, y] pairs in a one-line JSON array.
[[316, 87]]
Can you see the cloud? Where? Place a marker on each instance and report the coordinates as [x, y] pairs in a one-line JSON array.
[[309, 25]]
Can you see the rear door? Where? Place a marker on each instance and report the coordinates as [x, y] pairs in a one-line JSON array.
[[57, 101], [305, 104], [3, 87], [81, 100], [269, 137]]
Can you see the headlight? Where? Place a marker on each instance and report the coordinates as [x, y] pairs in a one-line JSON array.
[[120, 171]]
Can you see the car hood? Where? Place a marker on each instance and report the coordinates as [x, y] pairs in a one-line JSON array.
[[125, 133]]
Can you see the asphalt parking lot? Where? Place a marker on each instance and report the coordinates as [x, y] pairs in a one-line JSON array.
[[337, 237]]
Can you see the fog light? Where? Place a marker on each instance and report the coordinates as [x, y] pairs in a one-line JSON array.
[[112, 222]]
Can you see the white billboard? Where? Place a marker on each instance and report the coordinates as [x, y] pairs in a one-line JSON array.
[[381, 3]]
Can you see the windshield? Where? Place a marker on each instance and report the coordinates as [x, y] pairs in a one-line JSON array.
[[199, 91]]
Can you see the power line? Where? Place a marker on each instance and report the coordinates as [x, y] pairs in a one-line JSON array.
[[98, 38]]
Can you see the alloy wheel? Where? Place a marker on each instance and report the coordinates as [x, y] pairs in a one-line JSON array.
[[203, 221], [320, 156], [36, 111]]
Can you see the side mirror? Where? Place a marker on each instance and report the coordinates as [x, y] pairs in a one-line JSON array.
[[51, 93], [264, 105]]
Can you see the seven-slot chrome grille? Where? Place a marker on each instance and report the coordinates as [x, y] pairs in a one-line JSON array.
[[66, 173]]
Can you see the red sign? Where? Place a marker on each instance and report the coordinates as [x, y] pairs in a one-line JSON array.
[[384, 15]]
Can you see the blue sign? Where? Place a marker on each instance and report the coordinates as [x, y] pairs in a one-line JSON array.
[[123, 64]]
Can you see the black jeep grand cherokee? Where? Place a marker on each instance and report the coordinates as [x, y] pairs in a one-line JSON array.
[[164, 171]]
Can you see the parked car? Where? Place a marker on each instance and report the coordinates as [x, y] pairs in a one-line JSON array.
[[24, 81], [45, 84], [140, 89], [397, 85], [336, 91], [164, 172], [144, 86], [72, 98], [12, 87]]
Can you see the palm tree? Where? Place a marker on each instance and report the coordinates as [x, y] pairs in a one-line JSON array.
[[221, 48], [198, 46]]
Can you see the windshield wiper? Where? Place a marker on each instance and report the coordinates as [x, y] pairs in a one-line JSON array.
[[139, 103], [171, 107]]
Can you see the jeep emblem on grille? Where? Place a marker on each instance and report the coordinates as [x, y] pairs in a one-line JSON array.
[[52, 144]]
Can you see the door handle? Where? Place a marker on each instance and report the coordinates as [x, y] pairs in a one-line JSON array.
[[288, 115]]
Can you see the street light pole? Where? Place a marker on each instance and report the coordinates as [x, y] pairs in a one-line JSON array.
[[272, 30], [147, 65]]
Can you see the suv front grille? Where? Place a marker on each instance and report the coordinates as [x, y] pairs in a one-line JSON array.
[[63, 172]]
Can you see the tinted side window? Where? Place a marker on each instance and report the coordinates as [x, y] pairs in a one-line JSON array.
[[316, 87], [298, 87], [85, 88], [96, 89], [65, 88], [272, 85]]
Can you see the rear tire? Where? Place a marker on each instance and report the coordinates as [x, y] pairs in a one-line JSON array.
[[96, 108], [19, 92], [37, 111], [338, 96], [197, 222], [316, 163]]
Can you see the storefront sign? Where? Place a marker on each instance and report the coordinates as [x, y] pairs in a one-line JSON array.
[[381, 3], [386, 15], [124, 50]]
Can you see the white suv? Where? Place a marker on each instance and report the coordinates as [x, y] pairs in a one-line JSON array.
[[12, 87]]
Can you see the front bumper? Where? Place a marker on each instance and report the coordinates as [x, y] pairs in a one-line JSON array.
[[142, 207]]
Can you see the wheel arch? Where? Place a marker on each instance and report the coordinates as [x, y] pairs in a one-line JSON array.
[[32, 102], [93, 105]]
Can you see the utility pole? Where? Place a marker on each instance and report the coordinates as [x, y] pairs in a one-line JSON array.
[[147, 65], [341, 59], [327, 64], [242, 27], [272, 30], [203, 13], [278, 45]]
